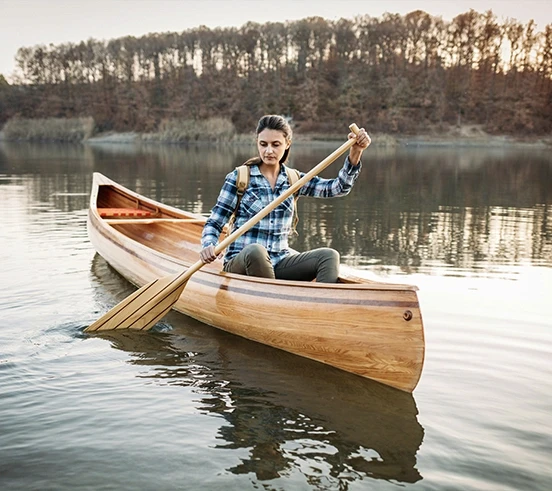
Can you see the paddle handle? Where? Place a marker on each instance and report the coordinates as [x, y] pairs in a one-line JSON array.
[[270, 207]]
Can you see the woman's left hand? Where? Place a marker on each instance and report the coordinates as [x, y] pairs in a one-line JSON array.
[[363, 141]]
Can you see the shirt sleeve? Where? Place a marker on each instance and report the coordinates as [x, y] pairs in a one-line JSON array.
[[221, 212], [318, 187]]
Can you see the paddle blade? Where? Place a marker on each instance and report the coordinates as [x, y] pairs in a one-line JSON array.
[[142, 309]]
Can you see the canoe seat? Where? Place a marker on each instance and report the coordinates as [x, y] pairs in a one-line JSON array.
[[124, 212]]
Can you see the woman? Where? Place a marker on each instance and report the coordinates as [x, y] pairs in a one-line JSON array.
[[263, 250]]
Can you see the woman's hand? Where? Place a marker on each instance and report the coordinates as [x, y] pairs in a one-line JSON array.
[[207, 254], [362, 143]]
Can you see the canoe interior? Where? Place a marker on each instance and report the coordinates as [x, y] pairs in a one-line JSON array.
[[178, 240]]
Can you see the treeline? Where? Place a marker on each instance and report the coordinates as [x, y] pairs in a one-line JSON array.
[[397, 74]]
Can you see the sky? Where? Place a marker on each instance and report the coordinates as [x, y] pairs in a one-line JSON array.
[[33, 22]]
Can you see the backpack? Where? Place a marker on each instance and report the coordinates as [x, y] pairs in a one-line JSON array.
[[242, 181]]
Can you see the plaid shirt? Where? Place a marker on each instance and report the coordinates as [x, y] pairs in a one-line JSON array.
[[273, 230]]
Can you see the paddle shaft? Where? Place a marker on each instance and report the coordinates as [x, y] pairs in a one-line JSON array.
[[185, 275]]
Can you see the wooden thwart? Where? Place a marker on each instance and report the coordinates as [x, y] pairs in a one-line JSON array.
[[124, 212], [122, 221]]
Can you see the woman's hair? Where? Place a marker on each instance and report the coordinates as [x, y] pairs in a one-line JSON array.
[[273, 122]]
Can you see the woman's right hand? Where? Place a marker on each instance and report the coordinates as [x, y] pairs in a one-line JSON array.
[[207, 254]]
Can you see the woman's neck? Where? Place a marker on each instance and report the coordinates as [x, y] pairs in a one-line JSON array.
[[270, 172]]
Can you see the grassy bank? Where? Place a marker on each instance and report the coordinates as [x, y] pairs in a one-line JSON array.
[[222, 131], [49, 129], [215, 130]]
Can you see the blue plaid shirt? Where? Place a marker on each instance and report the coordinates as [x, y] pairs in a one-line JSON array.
[[273, 230]]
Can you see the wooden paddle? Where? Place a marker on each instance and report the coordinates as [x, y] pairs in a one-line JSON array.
[[149, 304]]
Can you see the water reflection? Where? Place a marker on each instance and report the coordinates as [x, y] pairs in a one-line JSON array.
[[288, 412], [433, 211], [440, 211]]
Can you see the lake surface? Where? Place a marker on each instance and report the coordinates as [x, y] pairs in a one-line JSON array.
[[191, 407]]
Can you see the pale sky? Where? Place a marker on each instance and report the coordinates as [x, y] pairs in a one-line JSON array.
[[32, 22]]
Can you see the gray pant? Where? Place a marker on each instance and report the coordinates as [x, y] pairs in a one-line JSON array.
[[320, 264]]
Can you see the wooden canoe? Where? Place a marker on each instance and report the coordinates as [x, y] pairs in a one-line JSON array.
[[372, 329]]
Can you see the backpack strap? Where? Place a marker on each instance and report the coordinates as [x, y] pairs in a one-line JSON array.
[[242, 181], [293, 176]]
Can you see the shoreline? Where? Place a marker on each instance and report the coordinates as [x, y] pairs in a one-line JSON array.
[[460, 139], [379, 140]]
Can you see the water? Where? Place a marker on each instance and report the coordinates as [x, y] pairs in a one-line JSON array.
[[195, 408]]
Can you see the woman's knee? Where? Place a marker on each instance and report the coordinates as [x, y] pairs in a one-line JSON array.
[[328, 265], [255, 252], [329, 255], [257, 261]]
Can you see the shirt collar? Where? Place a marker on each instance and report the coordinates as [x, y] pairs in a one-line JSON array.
[[255, 171]]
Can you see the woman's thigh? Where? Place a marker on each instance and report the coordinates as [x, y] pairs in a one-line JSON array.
[[320, 264], [252, 260]]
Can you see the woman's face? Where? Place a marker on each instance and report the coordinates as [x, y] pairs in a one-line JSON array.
[[271, 145]]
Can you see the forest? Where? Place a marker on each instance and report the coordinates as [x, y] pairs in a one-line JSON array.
[[396, 74]]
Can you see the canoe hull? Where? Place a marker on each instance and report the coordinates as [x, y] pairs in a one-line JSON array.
[[371, 329]]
